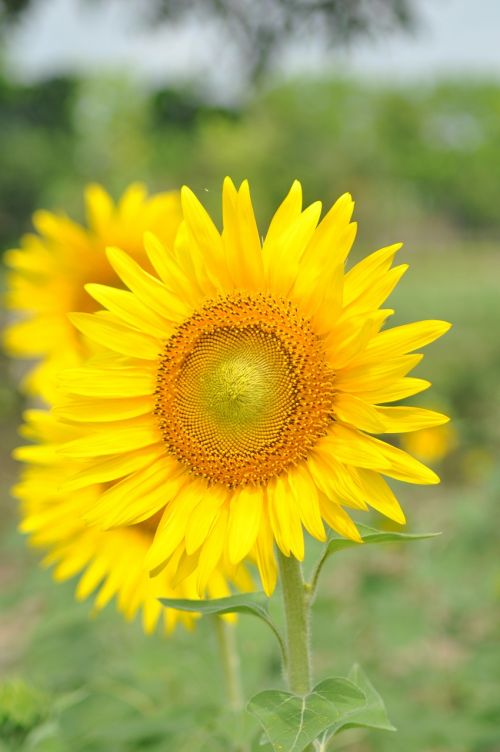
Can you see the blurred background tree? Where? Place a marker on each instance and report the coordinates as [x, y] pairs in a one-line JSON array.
[[262, 28]]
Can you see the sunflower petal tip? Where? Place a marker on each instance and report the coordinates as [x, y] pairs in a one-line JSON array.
[[186, 191], [92, 190], [355, 535], [347, 197], [399, 516], [150, 237], [113, 253], [91, 287]]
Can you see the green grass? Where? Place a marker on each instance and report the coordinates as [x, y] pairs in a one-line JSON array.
[[421, 618]]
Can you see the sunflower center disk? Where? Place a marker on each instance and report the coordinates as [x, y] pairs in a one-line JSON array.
[[243, 390]]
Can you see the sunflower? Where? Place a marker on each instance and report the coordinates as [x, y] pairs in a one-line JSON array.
[[50, 269], [111, 563], [237, 390]]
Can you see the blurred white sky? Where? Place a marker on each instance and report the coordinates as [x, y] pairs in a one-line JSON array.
[[457, 37]]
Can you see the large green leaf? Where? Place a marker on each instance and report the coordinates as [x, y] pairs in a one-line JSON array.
[[374, 713], [369, 535], [291, 722], [255, 604]]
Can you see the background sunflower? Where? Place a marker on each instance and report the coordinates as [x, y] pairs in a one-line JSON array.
[[48, 274]]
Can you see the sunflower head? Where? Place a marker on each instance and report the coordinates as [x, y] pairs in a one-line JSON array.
[[48, 273], [241, 391]]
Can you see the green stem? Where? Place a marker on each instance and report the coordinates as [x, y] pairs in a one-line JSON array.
[[226, 637], [296, 603]]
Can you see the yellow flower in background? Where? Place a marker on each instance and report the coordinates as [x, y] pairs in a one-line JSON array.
[[237, 388], [111, 563], [50, 269], [431, 444]]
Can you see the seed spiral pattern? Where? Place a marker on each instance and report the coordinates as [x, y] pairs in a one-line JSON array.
[[243, 390]]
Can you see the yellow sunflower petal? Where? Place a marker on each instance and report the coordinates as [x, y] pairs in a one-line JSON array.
[[405, 419], [127, 381], [212, 550], [172, 526], [371, 376], [148, 289], [117, 438], [145, 491], [110, 468], [349, 446], [241, 237], [288, 211], [245, 511], [285, 519], [201, 226], [168, 269], [92, 577], [102, 410], [202, 519], [305, 494], [132, 201], [283, 254], [336, 481], [377, 293], [39, 454], [266, 560], [339, 520], [99, 208], [353, 410], [361, 276], [402, 465], [380, 496], [399, 389], [406, 338], [335, 236], [115, 336], [130, 310]]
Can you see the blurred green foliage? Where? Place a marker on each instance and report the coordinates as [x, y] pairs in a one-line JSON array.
[[22, 709], [407, 153]]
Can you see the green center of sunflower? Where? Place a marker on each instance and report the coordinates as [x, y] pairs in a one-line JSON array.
[[235, 389], [243, 390]]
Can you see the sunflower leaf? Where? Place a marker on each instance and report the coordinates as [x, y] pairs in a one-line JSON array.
[[291, 722], [255, 604], [248, 603], [368, 535], [374, 713], [372, 535]]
